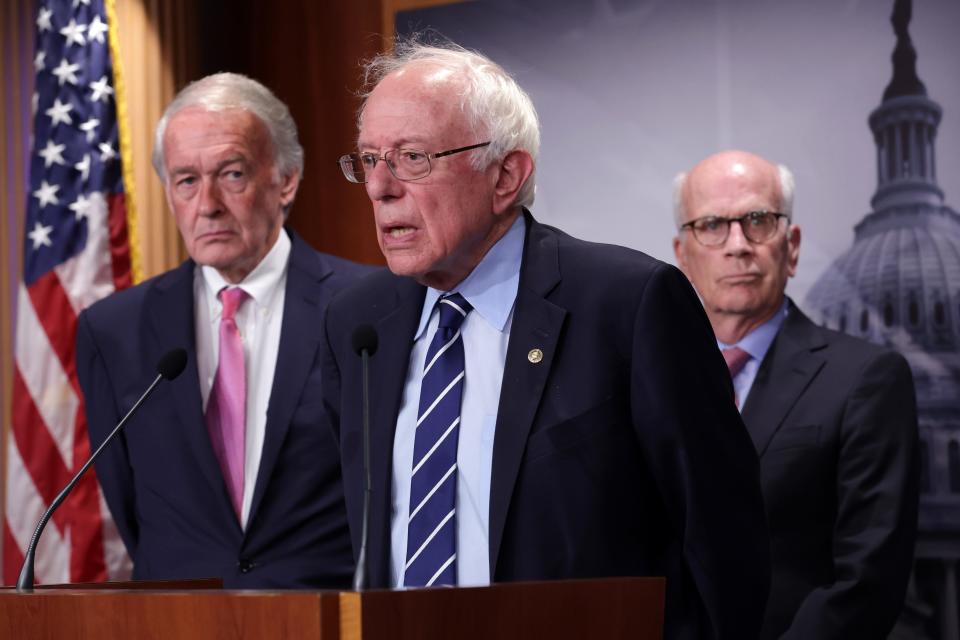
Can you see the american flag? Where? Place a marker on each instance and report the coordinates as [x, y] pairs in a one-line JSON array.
[[76, 251]]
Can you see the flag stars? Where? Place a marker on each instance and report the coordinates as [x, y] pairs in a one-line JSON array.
[[52, 154], [39, 63], [40, 236], [83, 167], [106, 152], [96, 30], [101, 89], [47, 194], [59, 112], [73, 32], [81, 207], [43, 19], [88, 128], [77, 3], [66, 72]]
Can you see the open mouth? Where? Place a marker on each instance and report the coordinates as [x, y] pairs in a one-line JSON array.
[[399, 232]]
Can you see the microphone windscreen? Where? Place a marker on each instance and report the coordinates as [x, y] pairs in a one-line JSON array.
[[172, 364], [365, 339]]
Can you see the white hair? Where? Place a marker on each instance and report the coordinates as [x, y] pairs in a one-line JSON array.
[[495, 106], [224, 91], [787, 188]]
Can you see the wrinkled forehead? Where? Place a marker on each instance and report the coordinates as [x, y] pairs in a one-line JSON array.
[[419, 103]]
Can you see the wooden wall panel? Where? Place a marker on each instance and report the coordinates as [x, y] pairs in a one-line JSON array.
[[308, 54], [16, 87]]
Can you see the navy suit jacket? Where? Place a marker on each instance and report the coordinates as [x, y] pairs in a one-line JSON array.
[[621, 453], [161, 478], [834, 420]]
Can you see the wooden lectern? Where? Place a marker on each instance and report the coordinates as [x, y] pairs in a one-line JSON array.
[[609, 608]]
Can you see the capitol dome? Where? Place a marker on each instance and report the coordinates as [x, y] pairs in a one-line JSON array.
[[899, 283]]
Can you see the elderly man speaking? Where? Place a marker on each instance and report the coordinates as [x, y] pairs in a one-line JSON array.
[[546, 408], [832, 417]]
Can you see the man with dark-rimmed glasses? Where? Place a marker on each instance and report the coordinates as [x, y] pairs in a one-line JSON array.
[[548, 408], [832, 417]]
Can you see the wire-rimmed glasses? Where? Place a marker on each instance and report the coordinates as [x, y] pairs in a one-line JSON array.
[[404, 164]]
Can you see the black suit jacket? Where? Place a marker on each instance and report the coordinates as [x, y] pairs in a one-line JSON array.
[[619, 454], [834, 419], [161, 479]]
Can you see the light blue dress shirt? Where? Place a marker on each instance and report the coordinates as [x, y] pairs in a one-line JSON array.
[[491, 288], [756, 343]]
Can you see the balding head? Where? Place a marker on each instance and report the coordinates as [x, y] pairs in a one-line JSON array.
[[738, 165], [741, 280]]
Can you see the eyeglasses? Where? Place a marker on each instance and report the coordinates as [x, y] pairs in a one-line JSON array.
[[404, 164], [757, 226]]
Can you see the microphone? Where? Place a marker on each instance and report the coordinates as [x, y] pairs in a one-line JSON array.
[[170, 366], [365, 345]]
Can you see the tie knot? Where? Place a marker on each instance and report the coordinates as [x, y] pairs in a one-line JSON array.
[[231, 298], [736, 358], [453, 309]]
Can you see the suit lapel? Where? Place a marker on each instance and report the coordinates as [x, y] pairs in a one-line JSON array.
[[388, 375], [536, 325], [787, 370], [300, 332], [170, 307]]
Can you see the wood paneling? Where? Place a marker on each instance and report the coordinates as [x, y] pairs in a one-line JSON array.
[[16, 87], [308, 53]]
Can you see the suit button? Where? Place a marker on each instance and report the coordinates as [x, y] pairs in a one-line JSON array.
[[246, 565]]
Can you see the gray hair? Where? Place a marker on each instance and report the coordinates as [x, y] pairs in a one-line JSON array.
[[223, 91], [497, 109], [787, 188]]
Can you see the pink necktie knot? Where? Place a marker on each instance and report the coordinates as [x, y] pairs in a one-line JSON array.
[[231, 298], [736, 359]]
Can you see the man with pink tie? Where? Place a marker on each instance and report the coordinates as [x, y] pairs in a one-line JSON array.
[[226, 472]]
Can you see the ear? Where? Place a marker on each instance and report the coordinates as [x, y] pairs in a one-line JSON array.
[[793, 249], [679, 254], [288, 188], [513, 172], [168, 194]]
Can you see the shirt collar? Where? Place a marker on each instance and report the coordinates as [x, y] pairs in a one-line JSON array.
[[758, 341], [491, 288], [261, 284]]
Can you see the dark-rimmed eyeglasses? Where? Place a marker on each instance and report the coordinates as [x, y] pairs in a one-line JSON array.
[[404, 164], [757, 227]]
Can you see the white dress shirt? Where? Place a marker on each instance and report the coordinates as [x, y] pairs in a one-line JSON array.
[[259, 320], [491, 288]]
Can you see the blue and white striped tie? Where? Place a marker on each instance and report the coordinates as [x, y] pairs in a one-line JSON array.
[[432, 527]]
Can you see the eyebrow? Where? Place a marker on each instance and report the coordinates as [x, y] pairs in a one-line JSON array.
[[176, 171], [401, 144]]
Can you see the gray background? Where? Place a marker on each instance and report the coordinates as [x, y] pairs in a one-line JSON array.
[[630, 92]]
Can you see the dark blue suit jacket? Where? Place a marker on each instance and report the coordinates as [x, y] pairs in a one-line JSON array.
[[621, 453], [834, 419], [161, 479]]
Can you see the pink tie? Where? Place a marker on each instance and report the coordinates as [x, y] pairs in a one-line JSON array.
[[736, 359], [226, 408]]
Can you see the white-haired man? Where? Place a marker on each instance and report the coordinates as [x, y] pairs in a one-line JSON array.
[[547, 408], [225, 472], [832, 417]]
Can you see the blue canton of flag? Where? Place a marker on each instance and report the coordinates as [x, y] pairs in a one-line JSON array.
[[75, 164]]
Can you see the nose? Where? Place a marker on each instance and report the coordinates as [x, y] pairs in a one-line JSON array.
[[210, 202], [737, 243], [382, 184]]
